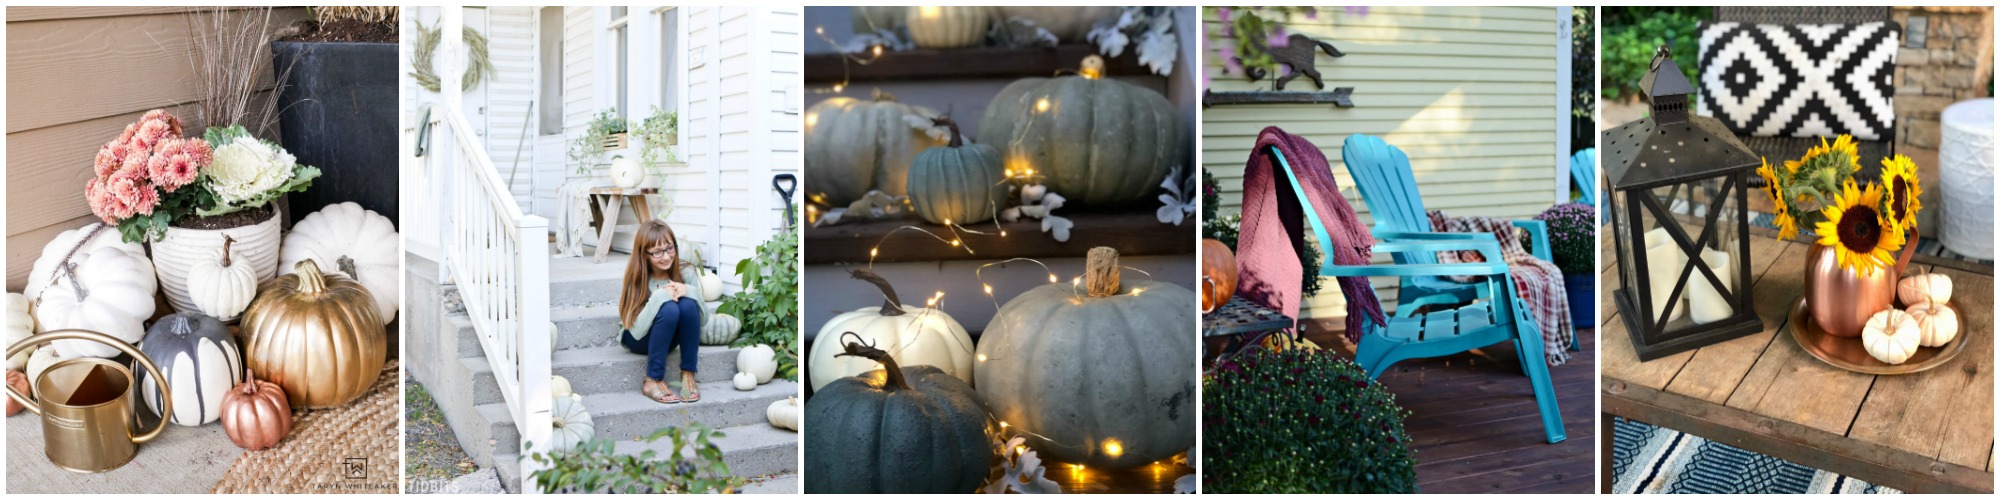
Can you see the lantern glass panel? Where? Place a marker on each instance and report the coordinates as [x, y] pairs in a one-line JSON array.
[[1708, 213]]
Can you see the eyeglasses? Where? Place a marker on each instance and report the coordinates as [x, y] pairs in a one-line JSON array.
[[660, 252]]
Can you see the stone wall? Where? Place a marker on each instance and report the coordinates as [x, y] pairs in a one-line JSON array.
[[1954, 63]]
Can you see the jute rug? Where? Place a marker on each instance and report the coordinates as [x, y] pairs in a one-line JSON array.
[[351, 449]]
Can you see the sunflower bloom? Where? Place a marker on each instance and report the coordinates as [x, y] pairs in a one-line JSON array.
[[1901, 197], [1787, 226], [1856, 229]]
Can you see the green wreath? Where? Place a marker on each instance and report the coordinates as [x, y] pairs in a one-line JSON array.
[[477, 63]]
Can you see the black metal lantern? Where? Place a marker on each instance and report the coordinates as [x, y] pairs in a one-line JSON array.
[[1679, 184]]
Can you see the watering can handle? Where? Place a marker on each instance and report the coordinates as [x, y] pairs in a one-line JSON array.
[[166, 395]]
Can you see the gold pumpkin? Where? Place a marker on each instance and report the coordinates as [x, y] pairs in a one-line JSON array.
[[317, 336]]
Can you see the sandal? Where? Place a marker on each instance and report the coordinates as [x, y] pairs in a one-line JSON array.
[[658, 393], [691, 389]]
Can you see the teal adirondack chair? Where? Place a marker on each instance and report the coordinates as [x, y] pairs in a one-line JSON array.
[[1583, 170], [1443, 332], [1382, 172]]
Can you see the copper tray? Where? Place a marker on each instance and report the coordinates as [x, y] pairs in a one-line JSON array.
[[1846, 352]]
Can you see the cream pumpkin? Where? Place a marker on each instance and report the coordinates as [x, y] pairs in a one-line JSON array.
[[350, 241], [1923, 288], [559, 386], [627, 172], [758, 360], [40, 360], [784, 414], [914, 336], [744, 381], [20, 326], [222, 283], [1891, 336], [1938, 323], [947, 27]]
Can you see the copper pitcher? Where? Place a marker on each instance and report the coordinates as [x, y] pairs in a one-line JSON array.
[[1840, 299], [86, 405]]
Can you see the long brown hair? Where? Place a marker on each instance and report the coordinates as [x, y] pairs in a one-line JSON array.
[[639, 270]]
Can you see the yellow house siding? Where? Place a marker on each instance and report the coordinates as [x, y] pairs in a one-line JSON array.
[[1469, 93]]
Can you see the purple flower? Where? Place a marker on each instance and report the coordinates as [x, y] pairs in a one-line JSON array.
[[1359, 11], [1276, 37], [1222, 14], [1232, 65], [1310, 12]]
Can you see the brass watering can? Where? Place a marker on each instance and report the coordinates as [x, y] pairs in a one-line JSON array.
[[86, 405]]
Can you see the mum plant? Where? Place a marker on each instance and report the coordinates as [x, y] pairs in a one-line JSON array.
[[1301, 421], [1572, 236], [150, 176]]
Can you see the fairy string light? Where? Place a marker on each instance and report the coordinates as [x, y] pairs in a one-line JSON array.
[[874, 54]]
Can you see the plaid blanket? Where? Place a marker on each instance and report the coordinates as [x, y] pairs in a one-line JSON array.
[[1538, 283]]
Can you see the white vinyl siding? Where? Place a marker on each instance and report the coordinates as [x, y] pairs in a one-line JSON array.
[[740, 127], [510, 44], [579, 76]]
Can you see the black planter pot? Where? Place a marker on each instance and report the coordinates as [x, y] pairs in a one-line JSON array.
[[337, 111], [1582, 291]]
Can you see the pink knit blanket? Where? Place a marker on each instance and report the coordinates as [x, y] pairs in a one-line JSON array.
[[1274, 229], [1537, 282]]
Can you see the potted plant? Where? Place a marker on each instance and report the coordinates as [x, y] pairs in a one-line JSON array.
[[613, 129], [1866, 230], [606, 132], [657, 135], [1573, 244], [338, 86]]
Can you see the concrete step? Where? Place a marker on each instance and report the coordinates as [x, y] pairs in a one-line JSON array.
[[626, 414], [752, 451], [576, 327], [579, 282], [607, 369]]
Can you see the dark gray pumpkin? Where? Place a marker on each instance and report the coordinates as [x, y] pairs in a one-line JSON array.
[[202, 363], [957, 182], [895, 430], [1098, 141]]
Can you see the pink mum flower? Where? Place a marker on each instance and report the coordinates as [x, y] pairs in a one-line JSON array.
[[133, 195], [109, 158], [177, 163], [93, 192]]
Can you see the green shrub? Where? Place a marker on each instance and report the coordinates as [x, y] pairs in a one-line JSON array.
[[1225, 229], [769, 303], [1301, 422], [1632, 34], [594, 466]]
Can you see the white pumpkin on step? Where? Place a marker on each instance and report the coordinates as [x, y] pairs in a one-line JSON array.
[[20, 325], [627, 172], [758, 360], [744, 381], [346, 239], [222, 283], [559, 387], [572, 425], [784, 414]]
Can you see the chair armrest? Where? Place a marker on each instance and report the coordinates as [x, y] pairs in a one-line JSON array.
[[1538, 232], [1425, 236], [1471, 269]]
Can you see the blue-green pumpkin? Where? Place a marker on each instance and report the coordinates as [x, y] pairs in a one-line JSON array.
[[956, 183], [895, 430], [201, 362], [1095, 140]]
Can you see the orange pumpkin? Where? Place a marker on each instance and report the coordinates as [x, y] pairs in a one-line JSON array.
[[1218, 274]]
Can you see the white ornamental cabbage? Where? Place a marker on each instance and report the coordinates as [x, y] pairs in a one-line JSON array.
[[246, 168]]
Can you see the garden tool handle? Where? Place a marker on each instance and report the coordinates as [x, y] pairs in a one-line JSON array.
[[785, 185], [166, 395]]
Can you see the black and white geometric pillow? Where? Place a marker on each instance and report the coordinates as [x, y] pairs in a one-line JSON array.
[[1800, 80]]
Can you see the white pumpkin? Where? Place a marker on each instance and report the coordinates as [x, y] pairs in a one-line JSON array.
[[348, 240], [222, 282], [711, 286], [559, 387], [1923, 288], [915, 336], [627, 172], [721, 329], [44, 271], [744, 381], [758, 360], [1891, 336], [115, 298], [40, 361], [20, 325], [1938, 323], [784, 414], [572, 425]]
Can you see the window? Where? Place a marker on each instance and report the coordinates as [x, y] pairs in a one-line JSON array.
[[670, 74], [549, 97], [620, 31]]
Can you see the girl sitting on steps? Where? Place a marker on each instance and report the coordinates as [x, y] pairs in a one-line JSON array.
[[659, 311]]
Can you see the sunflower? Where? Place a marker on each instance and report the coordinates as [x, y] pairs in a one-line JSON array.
[[1856, 229], [1900, 200], [1843, 145], [1787, 226]]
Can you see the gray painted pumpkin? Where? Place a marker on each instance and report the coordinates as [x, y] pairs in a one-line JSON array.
[[1101, 371], [895, 430], [853, 146], [870, 19], [957, 182], [720, 329], [1096, 141], [1068, 24], [947, 27], [201, 361]]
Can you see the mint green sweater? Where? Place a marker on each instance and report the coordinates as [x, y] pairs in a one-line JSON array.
[[658, 298]]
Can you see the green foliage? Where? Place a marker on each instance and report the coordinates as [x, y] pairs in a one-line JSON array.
[[654, 134], [1583, 62], [1225, 229], [769, 303], [594, 466], [1301, 421], [1632, 34], [1572, 237], [587, 150], [1209, 197]]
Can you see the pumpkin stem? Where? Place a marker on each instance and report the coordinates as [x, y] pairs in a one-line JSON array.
[[859, 348], [249, 385], [310, 280], [891, 306], [957, 139], [1100, 272], [226, 240], [881, 96]]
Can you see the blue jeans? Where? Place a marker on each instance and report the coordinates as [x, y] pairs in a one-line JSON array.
[[677, 323]]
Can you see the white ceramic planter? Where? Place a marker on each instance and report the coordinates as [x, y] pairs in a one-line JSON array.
[[174, 254]]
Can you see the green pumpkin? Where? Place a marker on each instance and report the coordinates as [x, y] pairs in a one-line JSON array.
[[1101, 375], [853, 146], [957, 182], [895, 430], [1096, 141]]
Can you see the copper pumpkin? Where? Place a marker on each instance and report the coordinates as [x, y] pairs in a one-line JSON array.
[[317, 336], [255, 414]]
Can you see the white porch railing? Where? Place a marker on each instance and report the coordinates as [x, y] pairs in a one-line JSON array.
[[497, 256]]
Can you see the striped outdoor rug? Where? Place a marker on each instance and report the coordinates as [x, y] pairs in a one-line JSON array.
[[1649, 459]]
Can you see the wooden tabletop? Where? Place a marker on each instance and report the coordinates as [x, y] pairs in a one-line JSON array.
[[1924, 432]]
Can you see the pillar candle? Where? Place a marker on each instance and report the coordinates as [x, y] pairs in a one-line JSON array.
[[1664, 261], [1705, 303]]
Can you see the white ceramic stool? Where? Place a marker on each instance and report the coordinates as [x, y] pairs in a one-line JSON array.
[[1965, 174]]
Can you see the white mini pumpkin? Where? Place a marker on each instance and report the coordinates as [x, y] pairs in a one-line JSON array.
[[559, 387], [913, 335], [572, 425], [40, 360], [1923, 288], [20, 325], [354, 242], [1938, 323], [627, 172], [115, 297], [1891, 336], [711, 286], [222, 282], [784, 414], [721, 329], [744, 381], [758, 360]]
